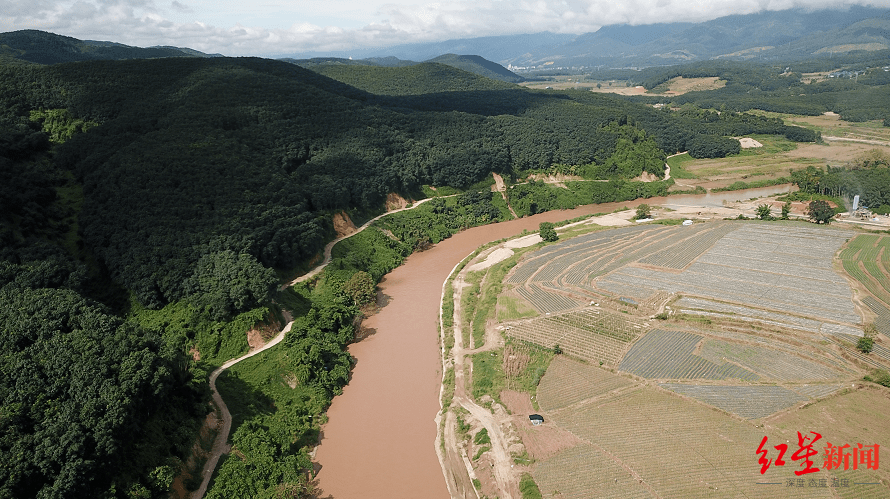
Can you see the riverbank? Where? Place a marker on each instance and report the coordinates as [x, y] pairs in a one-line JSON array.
[[379, 440]]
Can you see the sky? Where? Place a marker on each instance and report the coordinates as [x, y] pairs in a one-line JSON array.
[[272, 28]]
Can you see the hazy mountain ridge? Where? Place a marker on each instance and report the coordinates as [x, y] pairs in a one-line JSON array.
[[771, 35], [787, 35], [42, 47], [469, 63]]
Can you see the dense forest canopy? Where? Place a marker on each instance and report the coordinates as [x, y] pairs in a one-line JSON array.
[[858, 92], [145, 204]]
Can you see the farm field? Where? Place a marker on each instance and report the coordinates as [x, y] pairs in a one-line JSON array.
[[651, 438], [686, 345]]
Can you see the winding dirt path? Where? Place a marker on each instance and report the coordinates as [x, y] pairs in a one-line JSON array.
[[459, 472], [330, 246], [220, 444]]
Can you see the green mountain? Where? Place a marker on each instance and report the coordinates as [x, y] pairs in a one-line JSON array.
[[146, 205], [469, 63], [478, 65], [48, 48], [419, 79]]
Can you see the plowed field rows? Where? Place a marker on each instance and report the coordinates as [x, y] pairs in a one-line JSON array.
[[683, 253], [766, 267], [687, 304], [567, 382], [573, 341], [768, 363], [583, 472], [546, 301], [866, 259], [668, 355], [539, 259], [816, 391], [750, 402], [620, 327], [681, 450], [882, 322]]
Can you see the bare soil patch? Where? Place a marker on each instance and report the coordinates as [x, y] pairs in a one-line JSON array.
[[395, 202], [496, 256], [518, 403], [748, 143], [681, 85], [524, 242], [343, 225], [543, 441]]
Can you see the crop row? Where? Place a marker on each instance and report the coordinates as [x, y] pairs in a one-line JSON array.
[[677, 448], [813, 298], [668, 355], [749, 402], [686, 251], [600, 259], [575, 342], [601, 322], [583, 472], [703, 304], [828, 355], [865, 249], [769, 363], [844, 342], [567, 382], [882, 322], [545, 301], [536, 260], [816, 391]]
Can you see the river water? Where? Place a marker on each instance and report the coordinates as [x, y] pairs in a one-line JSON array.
[[379, 442]]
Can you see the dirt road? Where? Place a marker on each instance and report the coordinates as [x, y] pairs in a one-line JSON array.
[[220, 444], [458, 468]]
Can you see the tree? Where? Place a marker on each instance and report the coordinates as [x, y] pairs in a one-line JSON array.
[[643, 211], [225, 283], [764, 212], [361, 288], [547, 232], [867, 342], [786, 210], [820, 212]]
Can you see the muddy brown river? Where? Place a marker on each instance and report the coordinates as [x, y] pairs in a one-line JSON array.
[[379, 442]]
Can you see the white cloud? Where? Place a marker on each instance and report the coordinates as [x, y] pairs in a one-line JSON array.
[[291, 26]]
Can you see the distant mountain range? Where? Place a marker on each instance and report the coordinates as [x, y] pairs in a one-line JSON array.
[[771, 35]]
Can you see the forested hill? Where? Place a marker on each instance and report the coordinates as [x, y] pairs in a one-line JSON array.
[[420, 79], [188, 157], [128, 186], [469, 63], [48, 48], [480, 66]]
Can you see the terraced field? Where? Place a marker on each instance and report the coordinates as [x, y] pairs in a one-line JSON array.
[[866, 258], [769, 363], [583, 472], [669, 355], [766, 325], [749, 402], [588, 334], [568, 382], [678, 449], [772, 268]]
